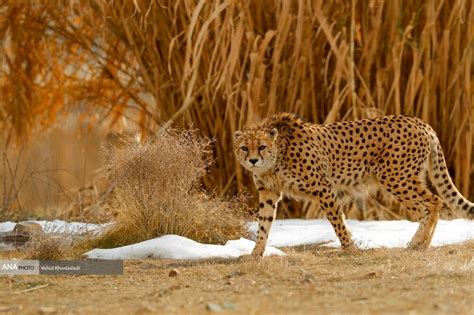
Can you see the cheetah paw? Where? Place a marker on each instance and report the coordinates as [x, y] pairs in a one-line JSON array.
[[351, 248], [417, 246]]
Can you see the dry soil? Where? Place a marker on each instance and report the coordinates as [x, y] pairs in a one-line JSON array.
[[310, 280]]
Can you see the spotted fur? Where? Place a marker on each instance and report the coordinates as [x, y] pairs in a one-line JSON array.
[[333, 162]]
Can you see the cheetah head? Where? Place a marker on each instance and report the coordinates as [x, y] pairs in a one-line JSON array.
[[256, 150]]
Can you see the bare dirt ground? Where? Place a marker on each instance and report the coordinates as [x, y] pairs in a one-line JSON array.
[[307, 281]]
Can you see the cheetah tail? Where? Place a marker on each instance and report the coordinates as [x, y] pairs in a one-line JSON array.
[[443, 183]]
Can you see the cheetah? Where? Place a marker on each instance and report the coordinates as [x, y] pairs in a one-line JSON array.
[[331, 163]]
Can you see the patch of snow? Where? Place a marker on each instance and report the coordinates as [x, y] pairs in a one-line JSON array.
[[366, 234], [59, 226], [178, 247], [7, 226]]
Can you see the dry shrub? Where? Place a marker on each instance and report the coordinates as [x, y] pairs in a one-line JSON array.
[[47, 247], [157, 190]]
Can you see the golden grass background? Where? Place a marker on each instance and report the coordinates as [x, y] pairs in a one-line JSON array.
[[220, 65]]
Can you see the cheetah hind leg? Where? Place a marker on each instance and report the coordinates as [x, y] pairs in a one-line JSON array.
[[418, 198], [428, 220]]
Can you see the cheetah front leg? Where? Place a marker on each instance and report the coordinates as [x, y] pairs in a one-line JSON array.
[[268, 202], [335, 214]]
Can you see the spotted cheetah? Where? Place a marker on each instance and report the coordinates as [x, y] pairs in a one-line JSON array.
[[333, 162]]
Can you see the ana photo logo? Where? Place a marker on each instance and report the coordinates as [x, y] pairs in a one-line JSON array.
[[15, 266], [12, 267]]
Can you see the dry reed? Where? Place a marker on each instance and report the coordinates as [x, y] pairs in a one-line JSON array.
[[221, 65]]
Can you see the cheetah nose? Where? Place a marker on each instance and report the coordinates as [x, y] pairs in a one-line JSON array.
[[253, 161]]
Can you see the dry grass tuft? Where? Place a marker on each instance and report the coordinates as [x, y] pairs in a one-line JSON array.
[[47, 247], [157, 191]]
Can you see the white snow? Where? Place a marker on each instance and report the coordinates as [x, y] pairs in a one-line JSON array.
[[178, 247], [58, 226], [284, 233], [366, 234], [7, 226]]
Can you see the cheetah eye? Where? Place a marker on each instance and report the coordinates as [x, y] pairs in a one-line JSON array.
[[245, 149], [262, 147]]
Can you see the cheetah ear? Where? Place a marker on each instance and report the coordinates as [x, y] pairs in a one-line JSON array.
[[273, 133], [237, 135]]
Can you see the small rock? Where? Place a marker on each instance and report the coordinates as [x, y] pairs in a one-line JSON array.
[[309, 278], [452, 251], [212, 307], [28, 228], [371, 274], [173, 273]]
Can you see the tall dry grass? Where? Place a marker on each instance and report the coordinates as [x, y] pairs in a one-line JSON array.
[[221, 65], [56, 176]]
